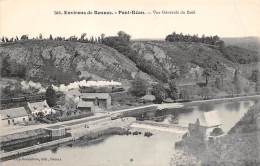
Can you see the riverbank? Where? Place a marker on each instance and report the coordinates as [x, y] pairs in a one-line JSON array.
[[73, 132], [87, 139], [240, 147], [114, 150]]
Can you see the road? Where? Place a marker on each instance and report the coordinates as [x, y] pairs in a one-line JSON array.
[[224, 99]]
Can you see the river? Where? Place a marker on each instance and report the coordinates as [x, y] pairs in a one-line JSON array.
[[136, 150], [227, 114]]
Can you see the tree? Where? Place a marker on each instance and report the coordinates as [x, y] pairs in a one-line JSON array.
[[218, 83], [40, 36], [5, 67], [24, 37], [257, 85], [139, 87], [237, 82], [205, 93], [102, 37], [206, 73], [12, 68], [50, 96], [174, 74], [124, 35], [159, 92], [92, 39], [184, 94], [254, 76], [173, 90], [70, 104], [221, 70], [82, 37], [3, 39], [51, 38]]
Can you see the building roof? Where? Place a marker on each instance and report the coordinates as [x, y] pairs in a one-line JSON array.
[[85, 104], [14, 113], [38, 106], [148, 98], [55, 127], [95, 95]]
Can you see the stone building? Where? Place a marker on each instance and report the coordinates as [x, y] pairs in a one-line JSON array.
[[102, 100], [85, 106]]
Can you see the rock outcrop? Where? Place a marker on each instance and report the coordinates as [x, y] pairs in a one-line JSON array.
[[65, 61]]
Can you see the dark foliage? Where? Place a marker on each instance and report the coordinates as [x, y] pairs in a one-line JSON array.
[[139, 87], [122, 44], [255, 75], [240, 55], [12, 69], [237, 82], [212, 40], [50, 96], [173, 90], [159, 92]]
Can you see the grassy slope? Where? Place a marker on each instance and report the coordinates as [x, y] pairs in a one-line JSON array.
[[251, 43]]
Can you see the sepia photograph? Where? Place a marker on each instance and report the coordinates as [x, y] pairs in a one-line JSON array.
[[129, 83]]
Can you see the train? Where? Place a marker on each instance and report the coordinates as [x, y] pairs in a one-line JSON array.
[[27, 98]]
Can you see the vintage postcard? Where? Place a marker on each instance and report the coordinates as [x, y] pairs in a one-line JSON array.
[[129, 83]]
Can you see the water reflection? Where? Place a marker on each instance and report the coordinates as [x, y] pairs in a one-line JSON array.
[[234, 106], [206, 107], [246, 103]]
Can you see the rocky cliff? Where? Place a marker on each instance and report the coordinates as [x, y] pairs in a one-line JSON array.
[[187, 59], [65, 61]]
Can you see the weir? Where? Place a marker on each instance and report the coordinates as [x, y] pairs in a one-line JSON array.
[[174, 128]]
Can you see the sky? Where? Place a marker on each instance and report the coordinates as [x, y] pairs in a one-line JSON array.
[[225, 18]]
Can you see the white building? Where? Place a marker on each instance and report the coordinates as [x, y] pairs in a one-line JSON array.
[[41, 106], [14, 116]]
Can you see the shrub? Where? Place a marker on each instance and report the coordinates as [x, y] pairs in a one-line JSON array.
[[50, 96], [139, 87], [159, 92]]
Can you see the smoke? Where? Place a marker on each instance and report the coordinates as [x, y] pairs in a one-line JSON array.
[[32, 85], [84, 83], [65, 88]]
